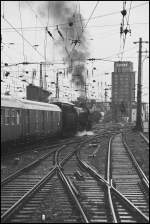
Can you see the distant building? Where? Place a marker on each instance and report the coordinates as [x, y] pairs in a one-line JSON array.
[[37, 93], [144, 114], [123, 90]]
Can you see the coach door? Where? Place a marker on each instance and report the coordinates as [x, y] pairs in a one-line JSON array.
[[43, 121], [25, 123]]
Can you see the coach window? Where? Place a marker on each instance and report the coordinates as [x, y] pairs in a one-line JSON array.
[[48, 116], [37, 118], [2, 116], [13, 117], [7, 116], [18, 117], [52, 119]]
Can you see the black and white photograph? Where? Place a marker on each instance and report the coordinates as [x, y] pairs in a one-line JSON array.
[[74, 111]]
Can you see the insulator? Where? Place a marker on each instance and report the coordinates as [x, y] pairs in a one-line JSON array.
[[70, 23], [121, 30], [7, 74], [124, 12], [126, 31]]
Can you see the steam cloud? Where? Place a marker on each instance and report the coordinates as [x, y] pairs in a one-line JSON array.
[[71, 39]]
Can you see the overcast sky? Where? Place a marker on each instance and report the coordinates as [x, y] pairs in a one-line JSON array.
[[102, 33]]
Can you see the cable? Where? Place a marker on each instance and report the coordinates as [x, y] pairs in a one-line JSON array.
[[21, 30], [35, 31], [27, 2], [3, 9], [80, 17], [91, 15], [116, 12], [129, 13], [123, 32], [126, 28], [23, 37], [45, 44], [84, 27], [130, 49], [30, 29], [48, 63], [120, 52]]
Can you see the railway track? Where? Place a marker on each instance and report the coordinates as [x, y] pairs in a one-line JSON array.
[[129, 180], [90, 195], [25, 158], [115, 198], [81, 193], [22, 191], [22, 184], [144, 137]]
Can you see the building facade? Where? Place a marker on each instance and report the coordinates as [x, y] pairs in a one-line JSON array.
[[123, 90]]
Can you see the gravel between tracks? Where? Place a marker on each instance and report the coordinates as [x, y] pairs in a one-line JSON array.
[[15, 162], [139, 149]]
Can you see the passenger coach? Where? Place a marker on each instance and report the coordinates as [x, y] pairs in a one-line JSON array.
[[24, 118]]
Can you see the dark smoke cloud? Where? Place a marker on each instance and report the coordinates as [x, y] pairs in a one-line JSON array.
[[71, 30]]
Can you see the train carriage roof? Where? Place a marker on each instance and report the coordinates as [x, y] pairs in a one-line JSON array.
[[7, 101], [63, 102]]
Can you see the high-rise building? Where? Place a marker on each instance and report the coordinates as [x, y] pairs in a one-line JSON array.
[[123, 90]]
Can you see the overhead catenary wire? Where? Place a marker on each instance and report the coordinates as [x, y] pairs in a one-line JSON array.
[[34, 12], [101, 16], [127, 25], [34, 28], [3, 9], [90, 16], [35, 41], [129, 13], [40, 19], [15, 31], [19, 4], [124, 30], [101, 38], [61, 62], [23, 37], [80, 17], [85, 26]]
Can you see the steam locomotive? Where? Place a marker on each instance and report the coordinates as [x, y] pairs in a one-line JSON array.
[[23, 119]]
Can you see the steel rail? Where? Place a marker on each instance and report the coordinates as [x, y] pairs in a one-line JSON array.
[[67, 183], [10, 212], [109, 181], [144, 137], [71, 192], [15, 207], [121, 196], [29, 166], [32, 164], [104, 182], [79, 146], [138, 168], [112, 188], [130, 204]]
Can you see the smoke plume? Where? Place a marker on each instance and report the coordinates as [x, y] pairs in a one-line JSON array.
[[71, 39]]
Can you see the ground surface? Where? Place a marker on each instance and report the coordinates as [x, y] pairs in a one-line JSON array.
[[139, 149]]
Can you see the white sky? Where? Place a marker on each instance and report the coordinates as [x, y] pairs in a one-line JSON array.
[[104, 30]]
